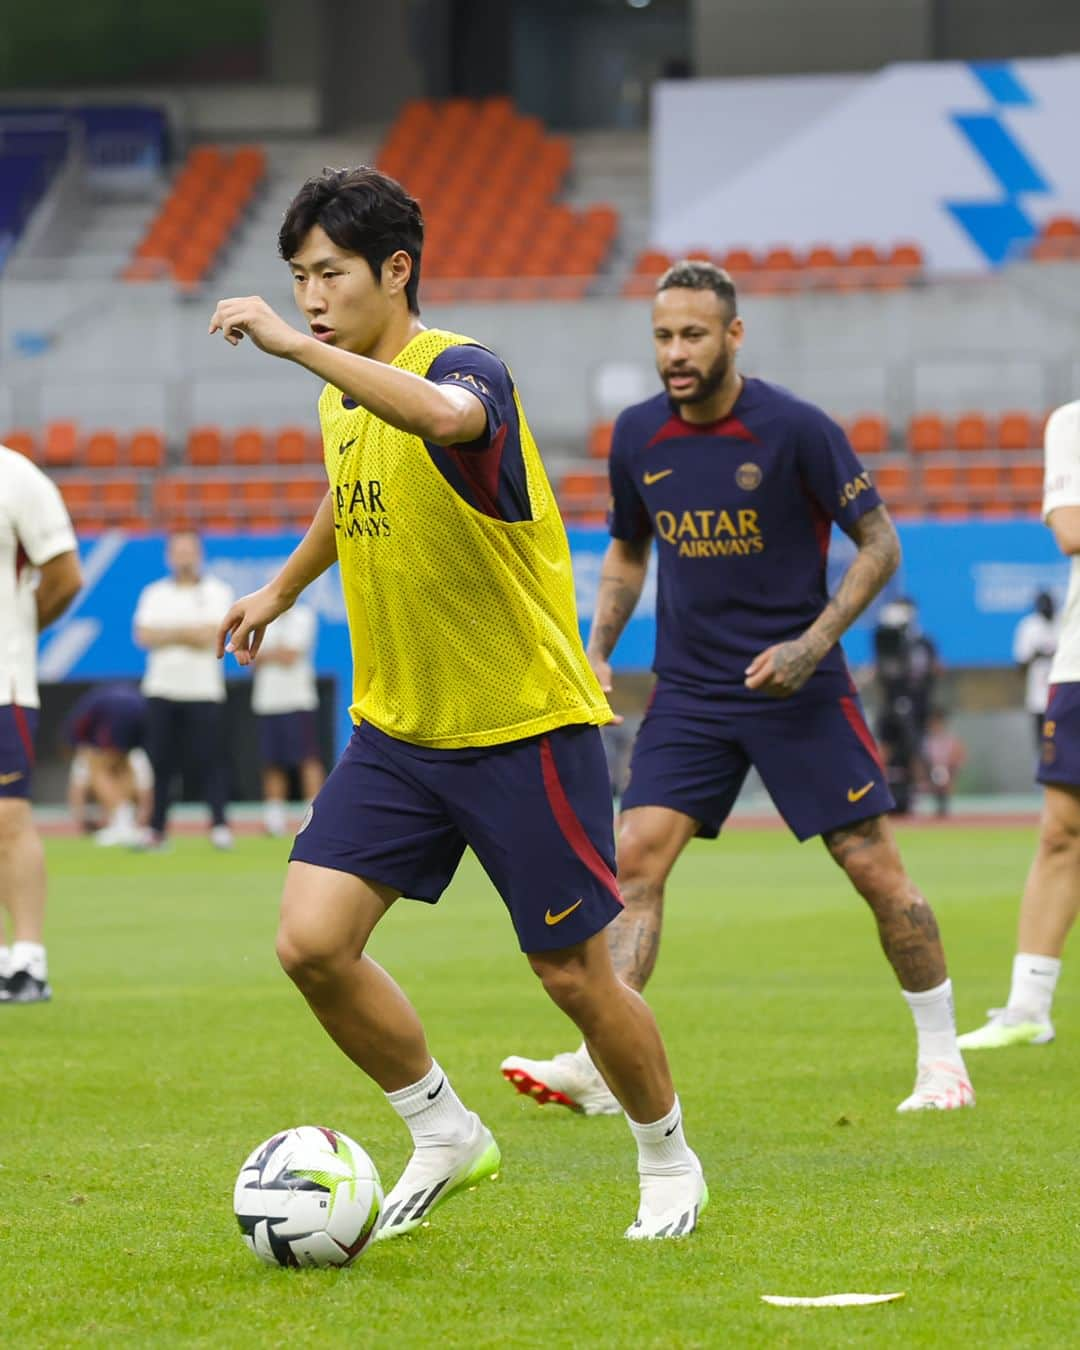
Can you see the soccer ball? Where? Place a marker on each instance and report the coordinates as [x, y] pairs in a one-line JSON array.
[[308, 1197]]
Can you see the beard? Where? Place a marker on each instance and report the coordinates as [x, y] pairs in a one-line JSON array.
[[707, 383]]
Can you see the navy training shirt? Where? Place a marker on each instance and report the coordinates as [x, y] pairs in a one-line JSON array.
[[489, 473], [741, 510]]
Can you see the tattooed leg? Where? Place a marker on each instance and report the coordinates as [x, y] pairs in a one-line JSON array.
[[634, 937], [650, 841], [906, 925]]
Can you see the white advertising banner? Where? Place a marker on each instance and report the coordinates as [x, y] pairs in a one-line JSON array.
[[966, 160]]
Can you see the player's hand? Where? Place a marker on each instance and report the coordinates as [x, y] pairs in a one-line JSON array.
[[244, 626], [602, 670], [782, 670], [250, 316]]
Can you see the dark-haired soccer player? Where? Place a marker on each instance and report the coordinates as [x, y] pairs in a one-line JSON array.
[[739, 483], [477, 712]]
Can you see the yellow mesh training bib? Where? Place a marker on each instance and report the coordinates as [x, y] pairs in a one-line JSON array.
[[464, 628]]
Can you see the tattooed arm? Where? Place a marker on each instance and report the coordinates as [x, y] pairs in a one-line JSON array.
[[783, 670], [622, 579]]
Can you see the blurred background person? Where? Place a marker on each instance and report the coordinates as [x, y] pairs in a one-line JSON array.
[[943, 756], [39, 578], [176, 622], [1034, 644], [285, 700], [906, 669], [110, 768]]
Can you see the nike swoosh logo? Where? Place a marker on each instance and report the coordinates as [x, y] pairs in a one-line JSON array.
[[669, 1133], [651, 478], [432, 1095], [854, 795], [552, 919], [6, 778], [345, 445]]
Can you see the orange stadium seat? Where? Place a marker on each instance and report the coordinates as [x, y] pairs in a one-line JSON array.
[[600, 440], [290, 446], [926, 433], [738, 261], [1015, 431], [21, 441], [204, 446], [982, 482], [869, 434], [940, 480], [101, 450], [61, 443], [1061, 227], [971, 431], [893, 481], [78, 495], [248, 446], [1026, 478], [146, 449]]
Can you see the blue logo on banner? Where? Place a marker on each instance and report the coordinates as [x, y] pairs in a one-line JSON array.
[[999, 228]]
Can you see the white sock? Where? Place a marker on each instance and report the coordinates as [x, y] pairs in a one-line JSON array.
[[29, 956], [1034, 979], [5, 962], [662, 1147], [123, 818], [432, 1110], [935, 1022], [274, 817]]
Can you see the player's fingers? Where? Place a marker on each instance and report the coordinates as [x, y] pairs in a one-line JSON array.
[[257, 635], [228, 623], [617, 719], [238, 642]]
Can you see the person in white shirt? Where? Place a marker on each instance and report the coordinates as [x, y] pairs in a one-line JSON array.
[[176, 621], [284, 698], [39, 578], [1034, 644], [1051, 899]]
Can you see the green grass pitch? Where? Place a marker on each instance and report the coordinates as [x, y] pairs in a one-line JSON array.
[[174, 1045]]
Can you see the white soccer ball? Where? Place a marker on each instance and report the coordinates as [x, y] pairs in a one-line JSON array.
[[308, 1197]]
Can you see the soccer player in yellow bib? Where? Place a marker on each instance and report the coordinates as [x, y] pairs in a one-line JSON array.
[[476, 711]]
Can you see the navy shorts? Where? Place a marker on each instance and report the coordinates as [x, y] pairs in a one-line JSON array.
[[537, 813], [1059, 759], [18, 727], [817, 759], [113, 718], [287, 739]]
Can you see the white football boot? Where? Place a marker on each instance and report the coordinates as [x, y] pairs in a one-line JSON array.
[[671, 1204], [940, 1085], [570, 1080], [433, 1174], [1008, 1026]]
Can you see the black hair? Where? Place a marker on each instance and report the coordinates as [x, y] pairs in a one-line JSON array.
[[697, 275], [363, 211]]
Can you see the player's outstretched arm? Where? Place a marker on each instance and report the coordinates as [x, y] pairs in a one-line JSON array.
[[243, 627], [437, 413], [783, 670], [622, 579]]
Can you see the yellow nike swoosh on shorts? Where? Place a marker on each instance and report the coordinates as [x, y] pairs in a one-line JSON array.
[[857, 794], [6, 778], [552, 919], [651, 478]]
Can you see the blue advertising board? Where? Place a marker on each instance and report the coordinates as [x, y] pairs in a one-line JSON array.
[[972, 582]]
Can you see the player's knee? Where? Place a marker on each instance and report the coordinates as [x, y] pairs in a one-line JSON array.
[[15, 821], [565, 979], [877, 875], [1059, 837], [305, 954], [641, 862]]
